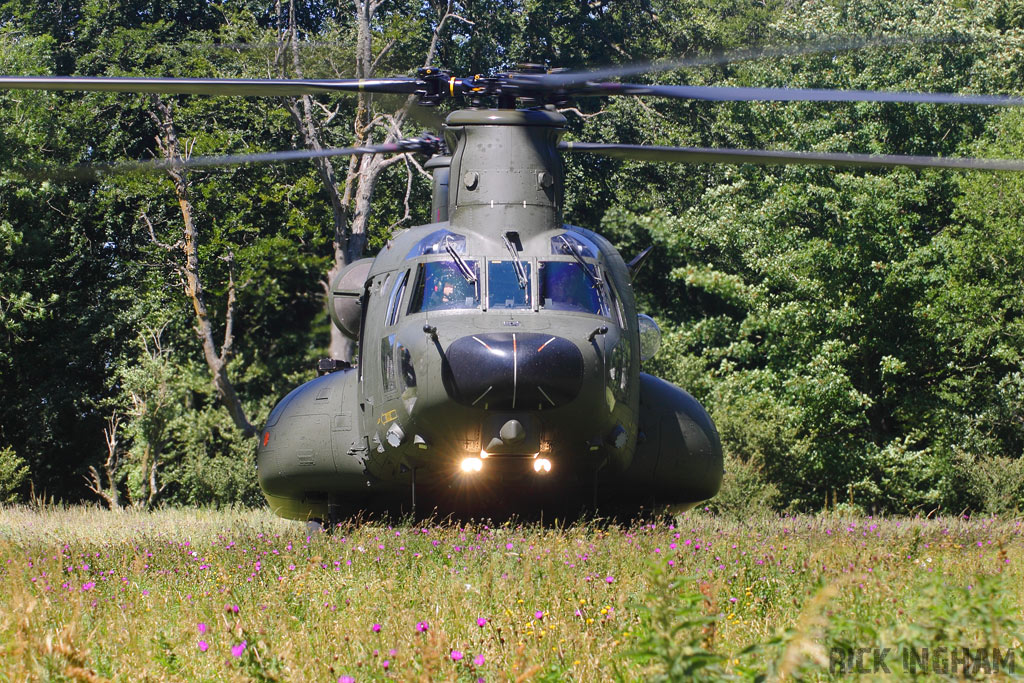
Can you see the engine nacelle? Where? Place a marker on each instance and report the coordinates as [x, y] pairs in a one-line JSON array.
[[346, 305]]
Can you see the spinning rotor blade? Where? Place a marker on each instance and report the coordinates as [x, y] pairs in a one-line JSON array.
[[426, 144], [698, 155], [729, 94], [572, 79], [212, 86]]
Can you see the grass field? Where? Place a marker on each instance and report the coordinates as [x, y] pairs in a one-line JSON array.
[[241, 595]]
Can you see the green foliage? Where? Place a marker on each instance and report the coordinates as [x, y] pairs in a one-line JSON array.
[[746, 491], [13, 474], [181, 447], [856, 332], [849, 331], [165, 655], [676, 633], [219, 593], [257, 661]]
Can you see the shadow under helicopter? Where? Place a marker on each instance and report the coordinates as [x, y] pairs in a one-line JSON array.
[[499, 497]]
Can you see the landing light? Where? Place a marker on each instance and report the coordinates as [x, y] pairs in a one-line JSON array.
[[542, 465], [471, 465]]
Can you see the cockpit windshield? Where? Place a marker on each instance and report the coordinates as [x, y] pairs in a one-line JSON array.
[[442, 285], [566, 286], [504, 287]]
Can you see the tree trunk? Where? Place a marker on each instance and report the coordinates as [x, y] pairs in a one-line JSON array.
[[350, 224], [216, 362], [108, 492]]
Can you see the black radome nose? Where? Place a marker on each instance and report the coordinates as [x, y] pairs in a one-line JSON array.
[[513, 370]]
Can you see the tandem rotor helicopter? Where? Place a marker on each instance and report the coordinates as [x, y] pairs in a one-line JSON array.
[[500, 348]]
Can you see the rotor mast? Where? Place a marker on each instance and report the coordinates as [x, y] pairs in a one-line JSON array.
[[505, 169]]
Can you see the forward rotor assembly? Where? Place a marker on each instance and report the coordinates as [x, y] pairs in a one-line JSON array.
[[533, 86]]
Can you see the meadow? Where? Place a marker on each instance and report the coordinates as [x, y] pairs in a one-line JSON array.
[[194, 595]]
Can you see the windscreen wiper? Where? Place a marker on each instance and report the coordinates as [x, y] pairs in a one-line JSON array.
[[524, 280], [568, 248], [464, 268]]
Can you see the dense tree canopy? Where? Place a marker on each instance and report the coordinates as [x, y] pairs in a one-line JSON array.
[[856, 335]]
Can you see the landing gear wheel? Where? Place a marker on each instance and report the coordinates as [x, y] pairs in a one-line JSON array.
[[314, 526]]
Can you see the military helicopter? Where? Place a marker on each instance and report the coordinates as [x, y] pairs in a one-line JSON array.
[[500, 348]]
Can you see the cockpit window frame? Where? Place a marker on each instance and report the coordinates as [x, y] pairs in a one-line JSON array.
[[594, 278], [531, 272], [606, 290], [417, 299]]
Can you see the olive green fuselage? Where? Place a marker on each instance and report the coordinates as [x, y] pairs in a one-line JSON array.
[[498, 353]]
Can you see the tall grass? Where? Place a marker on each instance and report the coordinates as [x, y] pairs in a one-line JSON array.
[[242, 595]]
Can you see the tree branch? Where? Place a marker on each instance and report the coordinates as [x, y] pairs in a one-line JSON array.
[[380, 55]]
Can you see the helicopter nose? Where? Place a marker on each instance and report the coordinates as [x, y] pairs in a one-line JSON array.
[[513, 370]]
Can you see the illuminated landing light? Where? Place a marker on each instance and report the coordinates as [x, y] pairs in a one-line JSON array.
[[471, 464], [484, 455], [541, 465]]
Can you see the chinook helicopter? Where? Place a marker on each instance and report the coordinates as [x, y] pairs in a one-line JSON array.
[[500, 348]]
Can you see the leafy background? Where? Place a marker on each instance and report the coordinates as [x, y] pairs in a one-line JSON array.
[[856, 335]]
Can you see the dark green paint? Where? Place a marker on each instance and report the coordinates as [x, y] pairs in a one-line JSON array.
[[354, 438]]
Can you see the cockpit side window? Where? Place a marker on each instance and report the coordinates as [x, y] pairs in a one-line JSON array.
[[395, 303], [440, 285], [566, 286], [504, 289]]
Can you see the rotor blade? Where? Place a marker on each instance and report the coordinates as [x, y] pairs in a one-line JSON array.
[[93, 171], [835, 44], [699, 155], [212, 86], [727, 94]]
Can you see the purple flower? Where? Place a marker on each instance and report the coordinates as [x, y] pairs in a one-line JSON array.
[[385, 664], [375, 628], [237, 650], [481, 622], [479, 660], [422, 626], [203, 646], [88, 585], [538, 615], [346, 679], [457, 655], [201, 626], [231, 608], [609, 579]]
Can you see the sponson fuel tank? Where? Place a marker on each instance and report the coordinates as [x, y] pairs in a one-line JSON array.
[[678, 460], [312, 447]]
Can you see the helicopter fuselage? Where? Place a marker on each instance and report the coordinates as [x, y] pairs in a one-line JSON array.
[[499, 351]]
